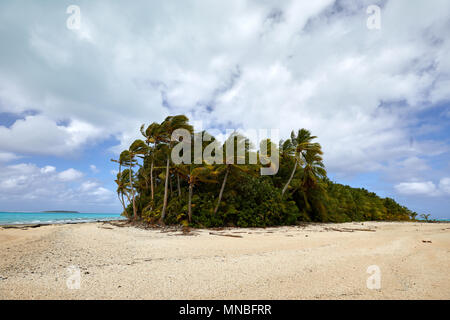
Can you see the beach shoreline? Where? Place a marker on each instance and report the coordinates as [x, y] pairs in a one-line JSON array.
[[158, 227], [26, 226], [311, 261]]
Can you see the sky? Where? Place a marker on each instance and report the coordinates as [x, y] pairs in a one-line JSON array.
[[73, 93]]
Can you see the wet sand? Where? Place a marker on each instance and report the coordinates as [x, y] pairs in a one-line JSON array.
[[318, 261]]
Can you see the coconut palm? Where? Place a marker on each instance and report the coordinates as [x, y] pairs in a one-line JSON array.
[[138, 147], [124, 186], [314, 169], [121, 187], [297, 147], [311, 182], [122, 182], [231, 162], [153, 135], [196, 175], [169, 125]]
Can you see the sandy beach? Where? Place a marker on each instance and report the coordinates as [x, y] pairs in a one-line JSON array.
[[317, 261]]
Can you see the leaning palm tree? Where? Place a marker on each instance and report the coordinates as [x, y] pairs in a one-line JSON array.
[[314, 169], [120, 179], [311, 183], [196, 175], [125, 183], [168, 126], [231, 162], [153, 135], [138, 147], [297, 147], [122, 182]]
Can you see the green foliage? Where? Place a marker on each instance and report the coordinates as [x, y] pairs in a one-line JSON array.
[[354, 204], [299, 192]]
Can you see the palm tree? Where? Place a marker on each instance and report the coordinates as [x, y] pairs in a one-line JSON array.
[[120, 180], [152, 135], [296, 148], [169, 125], [121, 188], [312, 182], [137, 147], [198, 174], [231, 163], [124, 186], [314, 169], [222, 188]]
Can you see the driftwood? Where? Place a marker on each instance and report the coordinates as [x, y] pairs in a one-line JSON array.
[[349, 229], [371, 230], [225, 235], [336, 229], [117, 224]]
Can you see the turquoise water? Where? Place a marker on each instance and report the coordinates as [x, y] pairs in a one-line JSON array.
[[437, 219], [57, 217]]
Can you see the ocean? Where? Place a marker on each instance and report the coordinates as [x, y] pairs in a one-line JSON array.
[[7, 218]]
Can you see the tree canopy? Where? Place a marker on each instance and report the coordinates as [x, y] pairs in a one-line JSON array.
[[153, 189]]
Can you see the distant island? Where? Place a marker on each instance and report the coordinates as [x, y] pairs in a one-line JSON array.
[[59, 211]]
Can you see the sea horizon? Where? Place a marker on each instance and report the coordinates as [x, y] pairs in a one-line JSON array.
[[55, 217]]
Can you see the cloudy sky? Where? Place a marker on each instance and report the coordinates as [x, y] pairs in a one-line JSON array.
[[70, 99]]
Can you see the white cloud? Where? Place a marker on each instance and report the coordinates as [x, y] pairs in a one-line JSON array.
[[7, 156], [45, 186], [89, 186], [94, 168], [94, 190], [48, 169], [255, 64], [37, 134], [417, 188], [70, 175], [444, 185], [427, 188]]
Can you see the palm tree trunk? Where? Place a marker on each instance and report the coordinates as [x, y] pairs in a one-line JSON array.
[[221, 189], [166, 191], [132, 192], [120, 196], [146, 182], [178, 183], [151, 180], [128, 197], [121, 200], [290, 178], [190, 201]]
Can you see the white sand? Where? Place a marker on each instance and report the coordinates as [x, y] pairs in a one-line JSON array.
[[311, 262]]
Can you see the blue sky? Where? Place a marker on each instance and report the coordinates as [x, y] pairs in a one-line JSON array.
[[71, 99]]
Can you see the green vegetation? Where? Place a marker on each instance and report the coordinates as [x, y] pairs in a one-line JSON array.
[[153, 189]]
